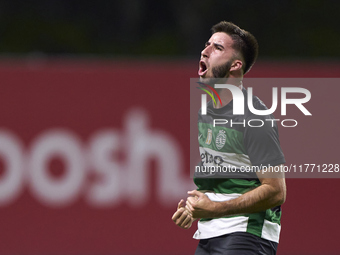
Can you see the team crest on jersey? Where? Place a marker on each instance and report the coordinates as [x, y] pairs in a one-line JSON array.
[[209, 137], [220, 139]]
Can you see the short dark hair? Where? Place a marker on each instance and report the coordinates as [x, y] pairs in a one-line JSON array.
[[243, 41]]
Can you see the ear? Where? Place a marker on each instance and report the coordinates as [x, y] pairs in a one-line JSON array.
[[236, 65]]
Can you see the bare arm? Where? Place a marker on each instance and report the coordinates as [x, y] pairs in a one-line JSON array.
[[271, 193]]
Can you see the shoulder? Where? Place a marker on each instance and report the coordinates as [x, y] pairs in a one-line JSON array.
[[257, 114], [257, 104]]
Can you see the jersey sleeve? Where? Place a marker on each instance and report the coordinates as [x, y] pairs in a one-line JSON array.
[[262, 143]]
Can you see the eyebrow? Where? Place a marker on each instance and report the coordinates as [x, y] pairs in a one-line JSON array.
[[215, 44]]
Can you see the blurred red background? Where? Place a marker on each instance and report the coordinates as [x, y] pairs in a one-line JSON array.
[[83, 167]]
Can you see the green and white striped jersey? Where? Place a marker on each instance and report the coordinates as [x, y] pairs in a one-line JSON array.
[[237, 145]]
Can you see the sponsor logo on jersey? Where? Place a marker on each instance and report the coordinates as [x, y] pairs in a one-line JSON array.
[[209, 137], [220, 139]]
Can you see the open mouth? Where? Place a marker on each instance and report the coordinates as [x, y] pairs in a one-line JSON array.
[[202, 68]]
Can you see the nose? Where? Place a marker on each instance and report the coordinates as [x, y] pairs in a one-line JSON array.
[[206, 51]]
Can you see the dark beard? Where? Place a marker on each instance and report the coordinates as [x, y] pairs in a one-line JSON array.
[[222, 71], [220, 74]]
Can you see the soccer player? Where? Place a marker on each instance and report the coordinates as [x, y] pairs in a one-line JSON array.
[[236, 215]]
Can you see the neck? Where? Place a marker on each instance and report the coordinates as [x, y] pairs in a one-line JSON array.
[[225, 94]]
